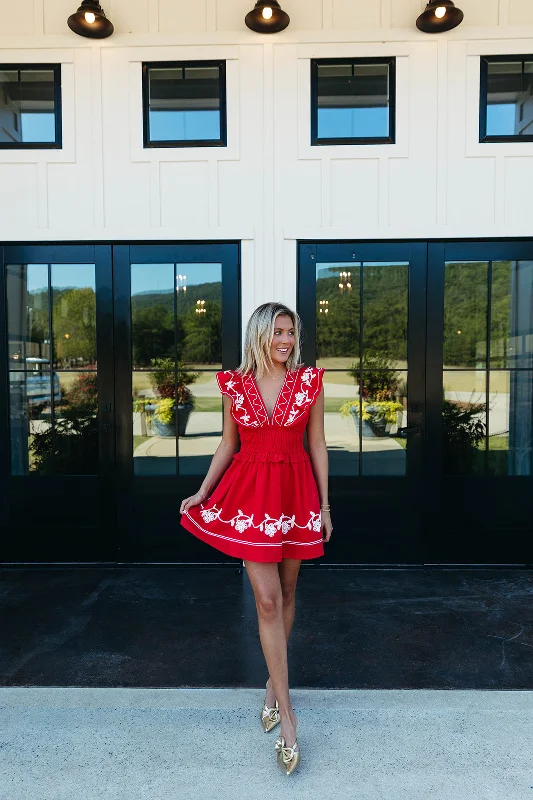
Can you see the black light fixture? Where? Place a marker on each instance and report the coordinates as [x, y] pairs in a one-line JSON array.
[[90, 20], [439, 16], [267, 17]]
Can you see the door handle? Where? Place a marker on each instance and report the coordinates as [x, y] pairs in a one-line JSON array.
[[402, 432]]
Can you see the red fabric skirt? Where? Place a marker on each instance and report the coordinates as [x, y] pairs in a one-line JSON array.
[[265, 508]]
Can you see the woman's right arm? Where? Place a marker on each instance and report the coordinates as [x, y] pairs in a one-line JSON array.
[[221, 460]]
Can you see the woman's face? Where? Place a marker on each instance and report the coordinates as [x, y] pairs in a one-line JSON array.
[[283, 339]]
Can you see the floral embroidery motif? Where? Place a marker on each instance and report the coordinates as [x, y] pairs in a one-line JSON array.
[[269, 525], [295, 397]]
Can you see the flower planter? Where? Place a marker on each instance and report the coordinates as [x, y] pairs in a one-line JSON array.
[[168, 429], [371, 428]]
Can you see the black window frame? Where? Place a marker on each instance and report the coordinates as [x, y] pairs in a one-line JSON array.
[[222, 141], [483, 86], [391, 138], [58, 143]]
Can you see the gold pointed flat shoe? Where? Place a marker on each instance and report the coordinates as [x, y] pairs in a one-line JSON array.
[[288, 757], [270, 717]]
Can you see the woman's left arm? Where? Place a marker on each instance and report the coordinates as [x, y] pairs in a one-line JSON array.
[[318, 453]]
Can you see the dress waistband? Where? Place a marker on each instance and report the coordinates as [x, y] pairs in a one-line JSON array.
[[272, 444]]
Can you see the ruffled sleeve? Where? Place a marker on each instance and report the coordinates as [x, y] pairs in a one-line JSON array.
[[225, 380], [319, 371]]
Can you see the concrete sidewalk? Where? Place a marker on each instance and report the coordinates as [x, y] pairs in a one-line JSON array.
[[189, 744]]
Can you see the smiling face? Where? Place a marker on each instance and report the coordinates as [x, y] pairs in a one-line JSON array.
[[282, 340]]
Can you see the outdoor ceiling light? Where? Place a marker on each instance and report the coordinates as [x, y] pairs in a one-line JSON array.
[[439, 16], [90, 20], [267, 17]]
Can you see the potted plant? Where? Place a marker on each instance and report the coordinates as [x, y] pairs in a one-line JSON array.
[[462, 432], [379, 390], [163, 407]]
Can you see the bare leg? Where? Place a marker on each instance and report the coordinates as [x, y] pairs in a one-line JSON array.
[[288, 573], [266, 585]]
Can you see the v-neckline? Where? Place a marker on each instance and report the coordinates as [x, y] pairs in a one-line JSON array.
[[270, 419]]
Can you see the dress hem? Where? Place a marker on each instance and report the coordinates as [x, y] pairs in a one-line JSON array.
[[236, 548]]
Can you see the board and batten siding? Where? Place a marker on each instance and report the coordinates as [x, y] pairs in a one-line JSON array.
[[268, 187]]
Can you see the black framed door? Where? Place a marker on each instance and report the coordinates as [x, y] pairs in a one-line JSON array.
[[177, 321], [110, 409], [428, 388]]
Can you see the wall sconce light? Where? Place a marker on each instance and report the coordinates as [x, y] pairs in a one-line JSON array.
[[267, 17], [90, 20], [439, 16]]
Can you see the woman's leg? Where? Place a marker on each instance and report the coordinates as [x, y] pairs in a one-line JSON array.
[[266, 585], [288, 570]]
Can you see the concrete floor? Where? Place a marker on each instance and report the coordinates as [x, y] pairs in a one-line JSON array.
[[207, 744]]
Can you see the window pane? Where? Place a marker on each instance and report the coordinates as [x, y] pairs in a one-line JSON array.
[[53, 422], [199, 314], [74, 315], [464, 427], [27, 106], [380, 412], [200, 416], [154, 422], [338, 314], [511, 423], [509, 98], [152, 313], [184, 104], [465, 314], [353, 101], [511, 323], [28, 319]]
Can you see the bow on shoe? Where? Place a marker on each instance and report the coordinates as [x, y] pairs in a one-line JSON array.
[[287, 753], [273, 714]]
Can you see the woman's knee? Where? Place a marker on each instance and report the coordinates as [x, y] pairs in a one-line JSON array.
[[287, 594], [269, 606]]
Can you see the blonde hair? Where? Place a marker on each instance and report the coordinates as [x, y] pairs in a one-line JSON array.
[[258, 340]]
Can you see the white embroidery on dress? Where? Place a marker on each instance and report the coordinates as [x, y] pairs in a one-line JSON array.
[[302, 398], [269, 525], [238, 398]]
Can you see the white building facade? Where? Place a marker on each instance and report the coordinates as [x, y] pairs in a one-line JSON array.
[[271, 192]]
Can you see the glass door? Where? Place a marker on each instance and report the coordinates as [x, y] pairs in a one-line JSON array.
[[176, 323], [57, 423], [364, 311], [480, 402]]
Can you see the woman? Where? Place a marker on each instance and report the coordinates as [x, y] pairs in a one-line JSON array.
[[270, 506]]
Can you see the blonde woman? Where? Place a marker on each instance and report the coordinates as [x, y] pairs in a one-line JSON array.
[[267, 502]]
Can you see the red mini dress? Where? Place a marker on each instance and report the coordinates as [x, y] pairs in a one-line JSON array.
[[266, 506]]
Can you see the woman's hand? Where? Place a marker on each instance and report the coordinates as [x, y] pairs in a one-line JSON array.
[[193, 500], [327, 527]]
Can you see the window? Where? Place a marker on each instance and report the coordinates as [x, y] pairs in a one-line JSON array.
[[506, 99], [184, 104], [352, 101], [30, 106]]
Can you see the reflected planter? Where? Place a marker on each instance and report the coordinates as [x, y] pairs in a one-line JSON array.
[[168, 429], [375, 427]]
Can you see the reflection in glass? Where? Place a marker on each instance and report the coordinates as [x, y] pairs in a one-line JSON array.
[[152, 312], [27, 106], [382, 410], [184, 103], [385, 312], [28, 319], [199, 314], [154, 422], [200, 417], [352, 100], [509, 97], [511, 423], [464, 422], [338, 317], [465, 314], [74, 315], [340, 394], [511, 323], [53, 423]]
